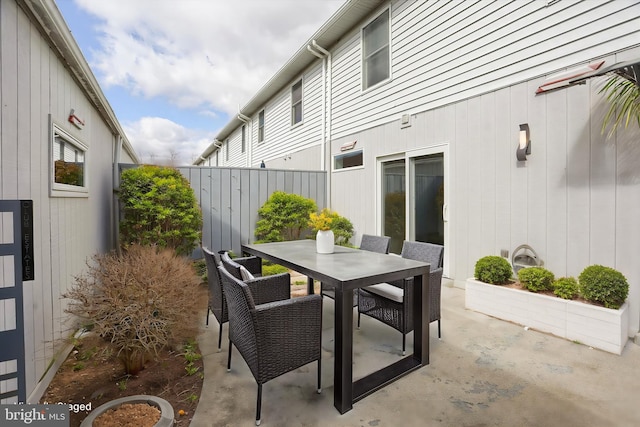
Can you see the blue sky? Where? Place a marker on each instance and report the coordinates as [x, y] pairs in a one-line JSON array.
[[175, 70]]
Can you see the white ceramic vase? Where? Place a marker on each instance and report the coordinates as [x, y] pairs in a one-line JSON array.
[[324, 242]]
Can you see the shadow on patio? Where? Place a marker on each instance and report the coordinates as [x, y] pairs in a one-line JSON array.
[[484, 372]]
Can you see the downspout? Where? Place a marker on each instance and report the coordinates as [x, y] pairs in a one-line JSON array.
[[247, 121], [325, 55], [116, 189]]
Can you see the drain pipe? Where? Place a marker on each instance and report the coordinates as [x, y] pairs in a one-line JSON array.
[[247, 121], [116, 189], [325, 55]]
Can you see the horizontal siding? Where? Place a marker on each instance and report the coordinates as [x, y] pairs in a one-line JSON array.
[[280, 137], [447, 51]]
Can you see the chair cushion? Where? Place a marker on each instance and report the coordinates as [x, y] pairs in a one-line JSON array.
[[246, 274], [387, 291]]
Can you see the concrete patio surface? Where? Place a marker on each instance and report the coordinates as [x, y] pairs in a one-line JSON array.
[[483, 372]]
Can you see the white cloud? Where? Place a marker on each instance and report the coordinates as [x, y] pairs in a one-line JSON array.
[[161, 141], [200, 54]]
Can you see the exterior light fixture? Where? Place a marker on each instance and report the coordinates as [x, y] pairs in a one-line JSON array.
[[524, 143]]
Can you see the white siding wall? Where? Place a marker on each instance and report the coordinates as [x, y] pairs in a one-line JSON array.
[[443, 52], [34, 85], [282, 139], [575, 200]]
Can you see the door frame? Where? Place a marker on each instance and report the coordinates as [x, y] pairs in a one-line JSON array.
[[409, 158]]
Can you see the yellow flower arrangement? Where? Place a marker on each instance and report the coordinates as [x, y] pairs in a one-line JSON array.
[[321, 221]]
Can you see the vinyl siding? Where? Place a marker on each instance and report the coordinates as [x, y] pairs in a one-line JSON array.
[[36, 85], [443, 52]]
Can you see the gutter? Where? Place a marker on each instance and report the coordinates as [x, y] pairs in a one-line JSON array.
[[325, 132]]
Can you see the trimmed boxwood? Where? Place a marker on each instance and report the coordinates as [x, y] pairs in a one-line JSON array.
[[493, 269], [536, 279], [566, 288], [604, 285]]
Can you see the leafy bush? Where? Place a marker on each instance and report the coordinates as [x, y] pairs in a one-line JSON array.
[[330, 220], [271, 269], [283, 217], [140, 301], [536, 279], [604, 285], [566, 287], [493, 269], [159, 208]]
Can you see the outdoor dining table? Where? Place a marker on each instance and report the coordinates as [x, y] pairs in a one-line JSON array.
[[347, 269]]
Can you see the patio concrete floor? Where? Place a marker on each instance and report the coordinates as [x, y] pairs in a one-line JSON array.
[[483, 372]]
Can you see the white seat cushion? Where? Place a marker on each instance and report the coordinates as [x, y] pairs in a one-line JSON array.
[[387, 291], [246, 275]]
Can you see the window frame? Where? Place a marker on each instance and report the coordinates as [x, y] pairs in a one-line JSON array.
[[261, 126], [350, 153], [297, 103], [364, 59], [58, 189]]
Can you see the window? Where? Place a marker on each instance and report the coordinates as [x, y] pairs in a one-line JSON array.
[[296, 103], [375, 59], [261, 126], [226, 150], [68, 159], [347, 160], [244, 135]]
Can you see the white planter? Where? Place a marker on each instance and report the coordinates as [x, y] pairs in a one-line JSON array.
[[588, 324], [324, 242]]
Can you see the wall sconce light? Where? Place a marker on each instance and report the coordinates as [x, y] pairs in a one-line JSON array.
[[524, 143]]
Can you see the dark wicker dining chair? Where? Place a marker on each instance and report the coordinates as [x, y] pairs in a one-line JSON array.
[[392, 303], [371, 243], [252, 266], [276, 337], [217, 302]]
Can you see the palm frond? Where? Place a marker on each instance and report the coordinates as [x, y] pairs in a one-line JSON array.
[[623, 96]]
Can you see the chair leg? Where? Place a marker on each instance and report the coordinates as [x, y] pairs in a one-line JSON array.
[[259, 405], [404, 340], [220, 337], [229, 358], [358, 319], [207, 319], [439, 334], [319, 376]]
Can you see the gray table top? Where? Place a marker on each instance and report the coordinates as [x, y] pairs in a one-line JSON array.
[[346, 267]]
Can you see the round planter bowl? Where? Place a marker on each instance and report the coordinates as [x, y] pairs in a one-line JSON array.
[[166, 410]]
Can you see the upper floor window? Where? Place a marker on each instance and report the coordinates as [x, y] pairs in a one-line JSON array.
[[376, 52], [261, 126], [68, 157], [244, 136], [296, 103]]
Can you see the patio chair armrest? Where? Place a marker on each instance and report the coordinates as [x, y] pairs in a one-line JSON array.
[[293, 324], [251, 263], [270, 288]]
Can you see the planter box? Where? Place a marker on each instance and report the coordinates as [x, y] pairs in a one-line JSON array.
[[591, 325]]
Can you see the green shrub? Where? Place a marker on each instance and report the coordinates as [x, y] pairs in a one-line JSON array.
[[493, 269], [604, 285], [536, 279], [283, 217], [159, 208], [566, 287], [271, 269]]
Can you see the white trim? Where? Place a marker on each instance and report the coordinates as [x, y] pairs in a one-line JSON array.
[[364, 89], [65, 190], [291, 124]]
